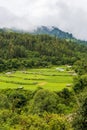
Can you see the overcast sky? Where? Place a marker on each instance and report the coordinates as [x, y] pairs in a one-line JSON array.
[[68, 15]]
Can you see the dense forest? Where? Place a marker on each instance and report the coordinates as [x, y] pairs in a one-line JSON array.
[[42, 109], [19, 50]]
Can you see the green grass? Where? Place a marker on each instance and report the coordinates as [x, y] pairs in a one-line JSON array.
[[47, 78]]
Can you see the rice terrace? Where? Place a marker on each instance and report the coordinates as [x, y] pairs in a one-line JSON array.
[[54, 78]]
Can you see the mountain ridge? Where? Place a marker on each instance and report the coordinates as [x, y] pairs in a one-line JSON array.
[[49, 30], [54, 31]]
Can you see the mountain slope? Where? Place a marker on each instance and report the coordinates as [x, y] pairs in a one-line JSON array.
[[19, 50], [53, 31]]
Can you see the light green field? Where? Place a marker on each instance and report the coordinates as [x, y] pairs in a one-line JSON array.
[[47, 78]]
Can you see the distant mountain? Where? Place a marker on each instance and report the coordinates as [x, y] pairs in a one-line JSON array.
[[54, 31]]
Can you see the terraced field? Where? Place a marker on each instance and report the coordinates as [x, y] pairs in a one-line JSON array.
[[47, 78]]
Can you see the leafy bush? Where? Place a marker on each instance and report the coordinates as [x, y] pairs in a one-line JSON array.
[[44, 100], [80, 83], [80, 120]]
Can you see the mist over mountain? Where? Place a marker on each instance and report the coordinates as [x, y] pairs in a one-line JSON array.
[[49, 30], [54, 31]]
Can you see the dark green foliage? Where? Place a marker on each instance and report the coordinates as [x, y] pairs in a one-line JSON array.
[[45, 101], [37, 101], [80, 83], [80, 66], [33, 122], [80, 121], [66, 96], [31, 110], [19, 50]]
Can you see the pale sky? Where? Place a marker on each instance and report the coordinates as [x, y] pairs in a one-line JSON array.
[[68, 15]]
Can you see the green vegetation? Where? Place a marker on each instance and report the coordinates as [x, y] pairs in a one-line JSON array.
[[37, 89], [80, 89], [26, 105], [35, 110], [18, 51], [80, 66], [80, 121], [47, 78]]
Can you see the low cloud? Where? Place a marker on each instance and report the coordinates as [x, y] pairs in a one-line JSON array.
[[68, 15], [10, 20]]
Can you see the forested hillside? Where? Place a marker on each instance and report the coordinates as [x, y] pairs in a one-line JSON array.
[[42, 109], [27, 50]]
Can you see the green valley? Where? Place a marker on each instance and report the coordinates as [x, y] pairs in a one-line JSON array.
[[43, 83]]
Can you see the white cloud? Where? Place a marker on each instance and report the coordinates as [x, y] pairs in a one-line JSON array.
[[69, 15]]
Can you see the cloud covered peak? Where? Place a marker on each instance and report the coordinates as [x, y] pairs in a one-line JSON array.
[[70, 15]]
